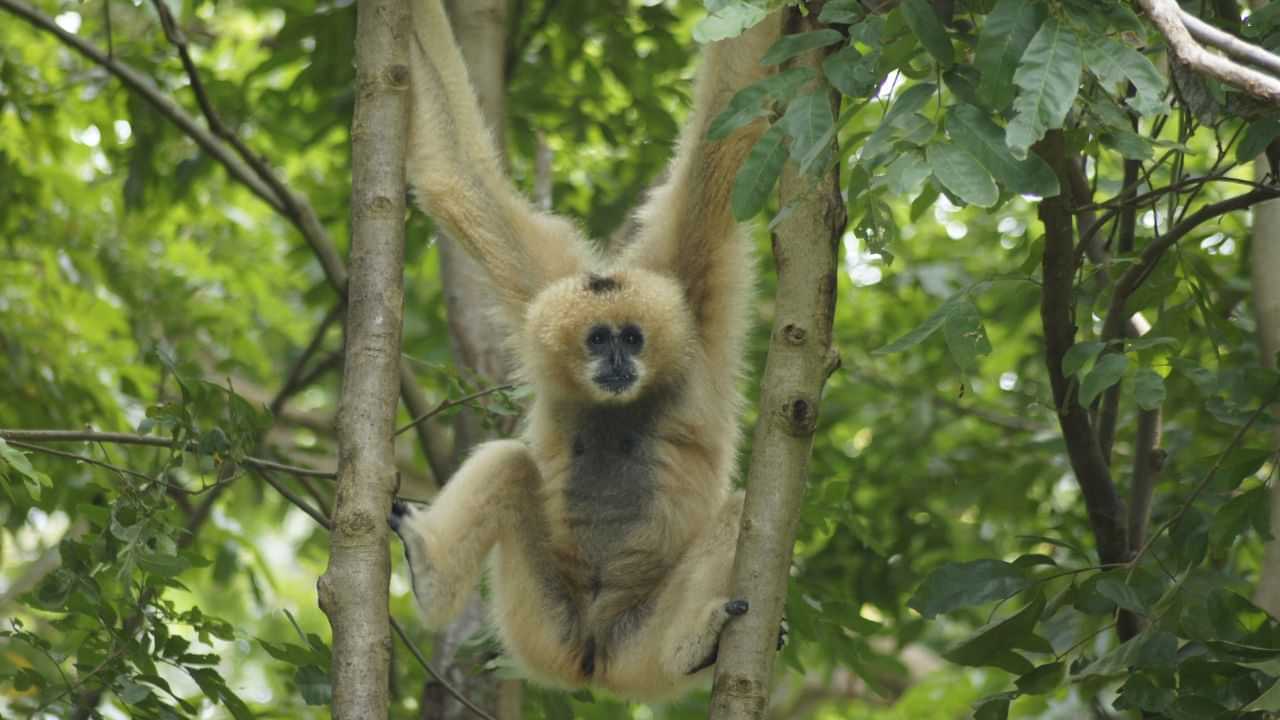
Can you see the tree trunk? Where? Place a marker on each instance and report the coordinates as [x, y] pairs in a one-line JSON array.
[[480, 27], [1264, 261], [353, 589], [801, 357]]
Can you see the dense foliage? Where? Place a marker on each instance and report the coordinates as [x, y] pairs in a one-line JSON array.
[[948, 561]]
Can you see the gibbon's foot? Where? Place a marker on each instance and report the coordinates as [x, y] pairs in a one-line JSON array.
[[783, 633], [737, 607]]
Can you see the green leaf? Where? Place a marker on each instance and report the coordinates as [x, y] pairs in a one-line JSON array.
[[1139, 693], [1042, 680], [790, 46], [1004, 37], [314, 685], [960, 172], [1268, 701], [1148, 387], [1129, 144], [1105, 373], [851, 72], [1112, 586], [1151, 649], [810, 124], [1048, 78], [759, 174], [844, 12], [1114, 62], [17, 460], [965, 335], [1079, 355], [1256, 138], [906, 173], [995, 707], [729, 18], [924, 22], [974, 130], [959, 585], [993, 644]]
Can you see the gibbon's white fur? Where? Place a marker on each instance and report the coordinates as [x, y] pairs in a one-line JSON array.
[[611, 520]]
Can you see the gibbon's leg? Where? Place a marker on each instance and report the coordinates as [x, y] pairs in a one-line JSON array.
[[458, 179], [689, 612], [446, 544], [686, 225]]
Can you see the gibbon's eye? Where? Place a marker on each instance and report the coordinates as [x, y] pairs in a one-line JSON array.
[[632, 337], [598, 337]]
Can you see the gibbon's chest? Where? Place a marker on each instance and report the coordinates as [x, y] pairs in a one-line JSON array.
[[612, 476]]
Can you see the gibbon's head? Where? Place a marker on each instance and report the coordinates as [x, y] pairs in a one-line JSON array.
[[609, 338]]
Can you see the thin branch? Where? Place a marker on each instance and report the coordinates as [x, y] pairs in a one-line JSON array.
[[294, 498], [446, 404], [1113, 327], [1148, 462], [1230, 44], [147, 440], [298, 210], [293, 381], [147, 90], [1168, 18]]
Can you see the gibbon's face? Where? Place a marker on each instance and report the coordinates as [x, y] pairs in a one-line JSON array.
[[609, 338]]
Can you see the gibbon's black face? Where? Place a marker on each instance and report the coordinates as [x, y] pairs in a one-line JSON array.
[[614, 353]]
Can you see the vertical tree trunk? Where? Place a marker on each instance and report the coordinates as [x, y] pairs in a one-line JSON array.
[[480, 27], [1264, 260], [353, 589], [801, 357]]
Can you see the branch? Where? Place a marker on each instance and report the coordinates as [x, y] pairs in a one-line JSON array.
[[147, 440], [1148, 462], [1092, 473], [446, 404], [1169, 19], [294, 380], [1230, 44]]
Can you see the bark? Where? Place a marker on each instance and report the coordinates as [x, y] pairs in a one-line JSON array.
[[1265, 267], [480, 27], [353, 590], [800, 359]]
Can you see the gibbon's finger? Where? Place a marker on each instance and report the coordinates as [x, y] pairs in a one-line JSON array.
[[784, 631], [737, 607], [399, 509]]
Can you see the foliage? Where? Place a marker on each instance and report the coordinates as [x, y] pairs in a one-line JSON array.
[[945, 564]]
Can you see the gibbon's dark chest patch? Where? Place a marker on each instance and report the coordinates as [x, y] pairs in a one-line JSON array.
[[611, 476]]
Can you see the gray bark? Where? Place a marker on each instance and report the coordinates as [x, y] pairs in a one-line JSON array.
[[353, 590], [1264, 261]]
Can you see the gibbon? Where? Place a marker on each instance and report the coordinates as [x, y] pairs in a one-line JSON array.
[[612, 520]]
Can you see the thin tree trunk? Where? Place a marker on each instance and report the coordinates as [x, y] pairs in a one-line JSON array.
[[1264, 261], [353, 589], [801, 357]]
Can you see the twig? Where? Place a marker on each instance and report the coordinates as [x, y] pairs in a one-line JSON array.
[[1148, 461], [1168, 18], [1230, 44], [147, 440], [292, 497], [446, 404], [79, 458], [294, 380]]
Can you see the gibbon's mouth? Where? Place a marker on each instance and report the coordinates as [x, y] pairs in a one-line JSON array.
[[617, 381]]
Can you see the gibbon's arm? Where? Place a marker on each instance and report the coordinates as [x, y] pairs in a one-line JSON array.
[[687, 227], [458, 179]]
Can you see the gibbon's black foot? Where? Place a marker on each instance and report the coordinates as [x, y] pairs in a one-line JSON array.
[[736, 608], [710, 659], [399, 509]]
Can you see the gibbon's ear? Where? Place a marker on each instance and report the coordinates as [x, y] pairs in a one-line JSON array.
[[457, 177], [686, 225]]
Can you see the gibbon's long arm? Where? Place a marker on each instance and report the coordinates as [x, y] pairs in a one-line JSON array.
[[687, 226], [457, 177]]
